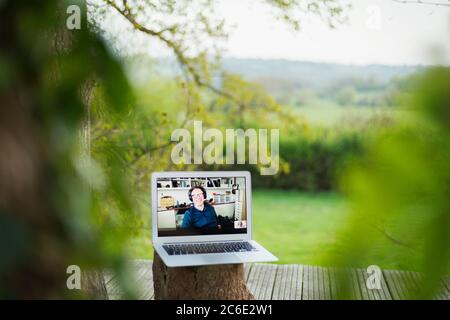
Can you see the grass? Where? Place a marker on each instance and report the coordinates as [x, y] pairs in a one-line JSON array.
[[329, 115], [297, 227], [304, 228]]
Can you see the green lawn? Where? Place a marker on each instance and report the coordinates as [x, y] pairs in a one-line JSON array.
[[303, 228], [329, 115], [297, 227]]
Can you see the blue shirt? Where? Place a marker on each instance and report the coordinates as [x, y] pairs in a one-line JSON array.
[[206, 218]]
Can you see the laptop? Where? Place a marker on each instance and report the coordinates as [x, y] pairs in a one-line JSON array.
[[204, 218]]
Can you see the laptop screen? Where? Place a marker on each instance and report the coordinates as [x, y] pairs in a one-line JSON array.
[[201, 206]]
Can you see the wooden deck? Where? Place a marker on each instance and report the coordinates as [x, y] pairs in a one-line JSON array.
[[299, 282]]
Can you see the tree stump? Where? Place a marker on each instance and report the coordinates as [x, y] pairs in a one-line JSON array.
[[215, 282]]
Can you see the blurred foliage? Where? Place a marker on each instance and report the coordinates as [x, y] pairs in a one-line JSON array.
[[58, 206], [400, 188], [193, 32], [70, 198], [310, 157]]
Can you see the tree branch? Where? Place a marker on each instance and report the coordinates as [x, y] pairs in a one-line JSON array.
[[182, 59], [391, 238], [186, 66]]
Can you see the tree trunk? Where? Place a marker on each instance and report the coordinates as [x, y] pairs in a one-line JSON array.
[[217, 282]]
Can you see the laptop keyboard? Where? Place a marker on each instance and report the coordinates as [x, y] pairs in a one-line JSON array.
[[202, 248]]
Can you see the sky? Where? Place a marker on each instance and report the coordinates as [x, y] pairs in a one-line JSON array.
[[377, 32]]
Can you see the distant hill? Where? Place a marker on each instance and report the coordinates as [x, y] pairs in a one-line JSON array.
[[298, 82], [312, 74], [306, 73]]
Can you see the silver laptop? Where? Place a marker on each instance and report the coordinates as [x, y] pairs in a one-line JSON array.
[[204, 218]]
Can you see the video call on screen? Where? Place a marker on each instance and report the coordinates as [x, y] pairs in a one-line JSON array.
[[201, 206]]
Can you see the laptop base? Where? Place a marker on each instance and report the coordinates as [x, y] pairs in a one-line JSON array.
[[260, 255]]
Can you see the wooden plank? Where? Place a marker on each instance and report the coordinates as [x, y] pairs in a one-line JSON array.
[[310, 281], [108, 275], [401, 284], [272, 271], [446, 281], [113, 288], [375, 294], [344, 284], [365, 292], [408, 284], [316, 291], [114, 291], [288, 282], [446, 287], [384, 293], [291, 280], [145, 282], [142, 277], [392, 283], [253, 279], [269, 281], [297, 285], [417, 278], [414, 285], [442, 291], [261, 281], [307, 292], [323, 285], [247, 269], [326, 283], [333, 285], [354, 281], [378, 294], [283, 279], [343, 289], [404, 285], [143, 287]]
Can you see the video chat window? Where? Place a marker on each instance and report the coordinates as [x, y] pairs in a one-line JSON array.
[[201, 206]]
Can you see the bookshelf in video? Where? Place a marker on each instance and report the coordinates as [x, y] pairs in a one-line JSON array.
[[201, 206]]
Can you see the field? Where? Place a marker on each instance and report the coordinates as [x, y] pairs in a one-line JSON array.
[[303, 228], [329, 114]]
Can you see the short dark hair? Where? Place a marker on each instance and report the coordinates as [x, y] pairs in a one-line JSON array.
[[196, 187]]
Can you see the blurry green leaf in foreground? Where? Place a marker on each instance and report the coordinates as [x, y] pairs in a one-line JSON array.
[[58, 207], [401, 188]]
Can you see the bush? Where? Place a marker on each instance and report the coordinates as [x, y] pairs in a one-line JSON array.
[[312, 162]]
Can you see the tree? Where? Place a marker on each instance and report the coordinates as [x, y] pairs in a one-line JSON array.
[[57, 205], [192, 32], [52, 204], [346, 96]]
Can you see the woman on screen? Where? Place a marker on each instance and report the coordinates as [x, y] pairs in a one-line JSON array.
[[201, 215]]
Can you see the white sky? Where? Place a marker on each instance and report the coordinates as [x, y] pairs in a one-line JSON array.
[[379, 31]]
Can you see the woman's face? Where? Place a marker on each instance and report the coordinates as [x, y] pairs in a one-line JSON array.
[[197, 197]]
